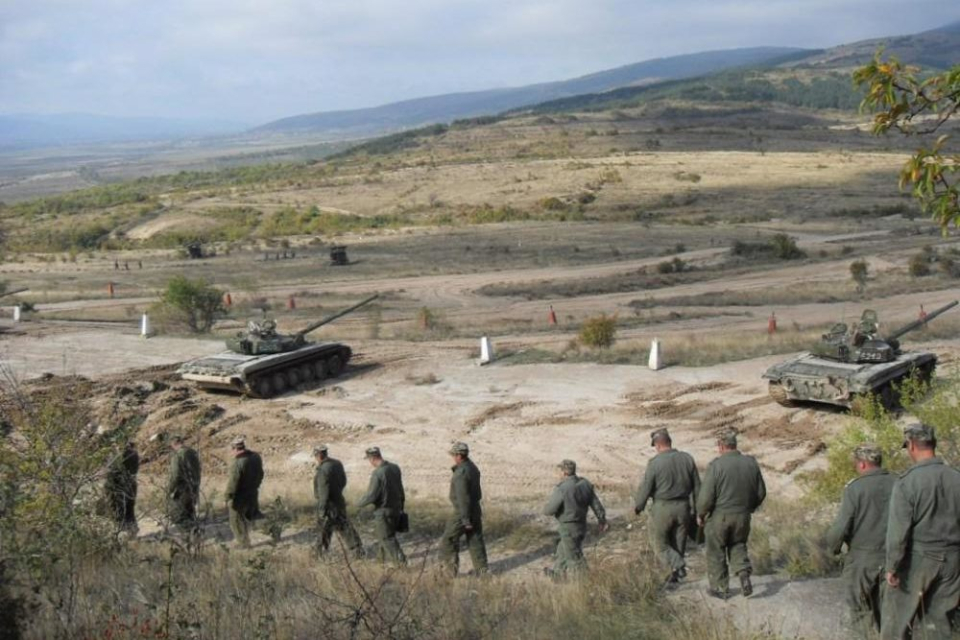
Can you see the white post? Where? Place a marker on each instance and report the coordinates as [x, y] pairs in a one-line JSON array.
[[145, 326], [486, 350], [16, 313], [656, 357]]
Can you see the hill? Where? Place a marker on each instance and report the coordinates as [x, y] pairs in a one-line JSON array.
[[444, 108]]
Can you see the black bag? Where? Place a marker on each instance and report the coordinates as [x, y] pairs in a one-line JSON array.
[[403, 523]]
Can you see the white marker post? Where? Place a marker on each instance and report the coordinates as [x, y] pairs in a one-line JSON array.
[[656, 357], [16, 313], [486, 351], [145, 326]]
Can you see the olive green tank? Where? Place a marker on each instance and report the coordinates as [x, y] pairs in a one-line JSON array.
[[260, 362], [847, 364]]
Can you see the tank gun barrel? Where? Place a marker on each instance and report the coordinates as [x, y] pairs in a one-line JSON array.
[[10, 293], [916, 324], [331, 318]]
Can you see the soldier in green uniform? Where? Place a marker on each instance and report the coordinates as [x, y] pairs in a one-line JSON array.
[[183, 483], [467, 518], [121, 488], [672, 480], [328, 483], [243, 491], [569, 503], [862, 525], [732, 490], [923, 544], [385, 494]]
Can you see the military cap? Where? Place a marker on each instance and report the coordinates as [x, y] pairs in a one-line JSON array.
[[727, 438], [459, 449], [918, 432], [320, 448], [659, 433], [239, 442], [568, 466], [373, 452], [868, 452]]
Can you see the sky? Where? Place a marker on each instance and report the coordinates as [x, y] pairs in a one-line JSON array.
[[253, 61]]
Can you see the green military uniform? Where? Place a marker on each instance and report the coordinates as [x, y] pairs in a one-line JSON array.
[[243, 494], [467, 519], [862, 525], [732, 490], [923, 550], [121, 488], [386, 495], [672, 480], [328, 483], [183, 486], [569, 503]]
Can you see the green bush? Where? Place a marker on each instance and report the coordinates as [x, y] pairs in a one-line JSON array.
[[195, 303], [599, 332], [919, 265], [858, 271]]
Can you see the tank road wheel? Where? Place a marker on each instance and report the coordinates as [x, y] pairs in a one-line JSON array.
[[334, 366], [320, 369], [779, 394], [306, 372], [262, 387], [293, 378], [279, 383]]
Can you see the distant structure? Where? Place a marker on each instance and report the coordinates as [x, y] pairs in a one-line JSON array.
[[338, 256], [194, 250]]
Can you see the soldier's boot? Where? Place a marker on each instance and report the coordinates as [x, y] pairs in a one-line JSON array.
[[672, 581], [718, 593], [681, 572], [745, 584]]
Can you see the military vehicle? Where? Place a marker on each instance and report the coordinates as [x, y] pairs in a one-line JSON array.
[[262, 363], [846, 365]]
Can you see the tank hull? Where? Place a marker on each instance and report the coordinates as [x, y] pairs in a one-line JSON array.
[[266, 375], [811, 378]]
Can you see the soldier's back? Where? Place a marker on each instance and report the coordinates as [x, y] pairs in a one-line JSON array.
[[738, 483], [674, 472], [870, 493], [933, 490]]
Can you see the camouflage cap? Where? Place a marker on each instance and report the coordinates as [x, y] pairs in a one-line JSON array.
[[658, 434], [868, 452], [373, 452], [240, 442], [568, 466], [919, 432], [459, 449], [727, 438], [320, 448]]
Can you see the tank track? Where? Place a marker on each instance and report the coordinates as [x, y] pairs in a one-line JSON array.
[[275, 381]]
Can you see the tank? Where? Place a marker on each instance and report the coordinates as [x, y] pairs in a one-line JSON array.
[[847, 364], [260, 362]]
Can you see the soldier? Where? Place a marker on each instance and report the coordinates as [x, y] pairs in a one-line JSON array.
[[862, 525], [732, 490], [467, 518], [328, 484], [183, 483], [672, 480], [568, 504], [385, 494], [243, 490], [121, 487], [923, 543]]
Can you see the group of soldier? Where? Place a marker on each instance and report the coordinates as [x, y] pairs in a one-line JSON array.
[[902, 568]]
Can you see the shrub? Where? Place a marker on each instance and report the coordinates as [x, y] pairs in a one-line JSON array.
[[919, 265], [785, 247], [858, 271], [195, 303], [599, 332]]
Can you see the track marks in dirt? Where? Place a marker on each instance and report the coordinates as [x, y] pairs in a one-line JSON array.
[[672, 392], [493, 413]]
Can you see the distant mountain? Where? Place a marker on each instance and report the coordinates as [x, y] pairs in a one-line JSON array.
[[40, 130], [444, 108]]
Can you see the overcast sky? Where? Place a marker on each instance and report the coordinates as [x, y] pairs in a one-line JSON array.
[[257, 60]]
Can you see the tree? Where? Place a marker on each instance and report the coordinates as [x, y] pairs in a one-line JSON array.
[[918, 105], [858, 271], [196, 303]]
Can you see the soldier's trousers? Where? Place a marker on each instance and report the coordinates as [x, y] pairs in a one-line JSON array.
[[863, 576], [123, 505], [726, 537], [929, 590], [669, 523], [241, 520], [337, 521], [450, 545], [388, 547], [183, 509], [570, 548]]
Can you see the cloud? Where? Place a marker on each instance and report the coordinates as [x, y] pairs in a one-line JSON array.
[[251, 60]]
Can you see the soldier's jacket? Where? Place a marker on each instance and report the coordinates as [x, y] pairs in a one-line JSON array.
[[122, 473], [386, 488], [671, 475], [245, 477], [924, 512], [862, 520], [328, 484], [571, 499], [732, 484], [465, 492], [184, 476]]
